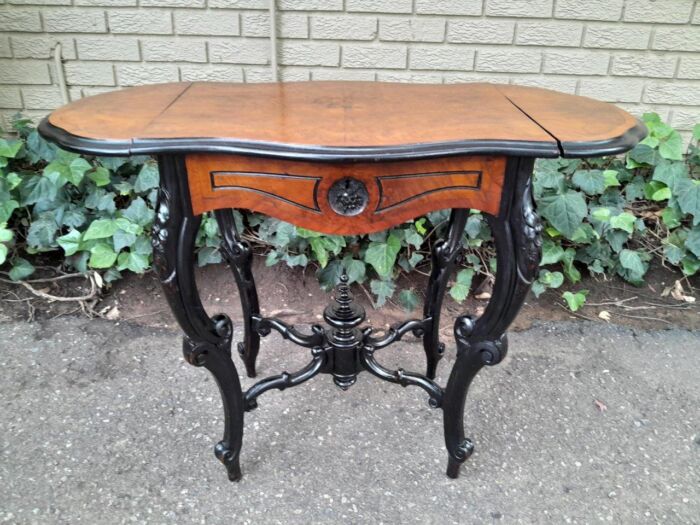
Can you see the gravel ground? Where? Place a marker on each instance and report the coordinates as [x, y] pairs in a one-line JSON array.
[[104, 423]]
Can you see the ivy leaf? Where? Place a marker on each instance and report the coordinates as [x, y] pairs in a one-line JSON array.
[[21, 269], [692, 242], [3, 253], [670, 173], [671, 147], [408, 299], [99, 199], [584, 234], [148, 177], [329, 276], [39, 189], [285, 232], [354, 269], [420, 226], [575, 300], [691, 265], [42, 232], [414, 259], [643, 154], [671, 217], [624, 221], [70, 242], [100, 176], [549, 177], [551, 279], [6, 209], [383, 289], [570, 270], [688, 192], [291, 260], [382, 255], [139, 212], [101, 229], [473, 226], [662, 194], [142, 246], [631, 261], [102, 256], [40, 149], [673, 253], [9, 148], [76, 170], [463, 283], [5, 234], [546, 280], [413, 238], [634, 189], [590, 181], [122, 239], [73, 217], [132, 261], [318, 248], [552, 253], [114, 163], [129, 227], [13, 180], [601, 214], [610, 177], [208, 255], [564, 211]]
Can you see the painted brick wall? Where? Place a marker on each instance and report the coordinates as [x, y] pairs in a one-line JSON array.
[[640, 54]]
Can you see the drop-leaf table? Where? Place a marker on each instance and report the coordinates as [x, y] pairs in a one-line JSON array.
[[344, 158]]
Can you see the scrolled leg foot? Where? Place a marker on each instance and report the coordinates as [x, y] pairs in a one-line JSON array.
[[461, 454], [230, 460]]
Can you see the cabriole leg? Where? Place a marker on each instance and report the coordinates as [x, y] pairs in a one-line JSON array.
[[239, 257], [482, 341], [207, 341], [443, 263]]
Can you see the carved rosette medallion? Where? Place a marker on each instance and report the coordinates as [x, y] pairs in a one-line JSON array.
[[348, 197]]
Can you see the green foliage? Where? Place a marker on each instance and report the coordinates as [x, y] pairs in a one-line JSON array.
[[607, 216], [97, 211], [575, 300]]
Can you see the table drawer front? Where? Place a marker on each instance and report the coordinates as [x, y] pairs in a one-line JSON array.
[[344, 198]]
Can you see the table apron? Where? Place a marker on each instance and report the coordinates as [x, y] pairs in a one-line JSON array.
[[344, 198]]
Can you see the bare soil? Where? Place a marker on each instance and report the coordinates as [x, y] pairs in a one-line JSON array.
[[295, 296]]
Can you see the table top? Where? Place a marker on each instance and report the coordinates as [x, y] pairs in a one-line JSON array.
[[342, 121]]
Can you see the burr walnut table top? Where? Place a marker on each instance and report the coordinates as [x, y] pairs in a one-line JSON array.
[[342, 121]]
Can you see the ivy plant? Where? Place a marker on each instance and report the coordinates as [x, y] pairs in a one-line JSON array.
[[604, 215]]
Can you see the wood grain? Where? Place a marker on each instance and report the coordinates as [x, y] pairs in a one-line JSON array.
[[289, 117], [297, 191], [571, 119]]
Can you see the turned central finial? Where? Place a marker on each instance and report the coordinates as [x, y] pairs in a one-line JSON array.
[[345, 314]]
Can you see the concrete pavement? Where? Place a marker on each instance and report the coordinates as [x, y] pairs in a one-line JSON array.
[[103, 422]]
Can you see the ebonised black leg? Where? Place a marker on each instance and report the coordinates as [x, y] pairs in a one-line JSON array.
[[482, 341], [443, 258], [239, 257], [207, 341]]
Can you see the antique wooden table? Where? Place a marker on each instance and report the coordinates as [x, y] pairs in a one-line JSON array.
[[344, 158]]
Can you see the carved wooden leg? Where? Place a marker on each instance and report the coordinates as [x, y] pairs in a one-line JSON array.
[[207, 341], [482, 341], [444, 256], [239, 257]]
